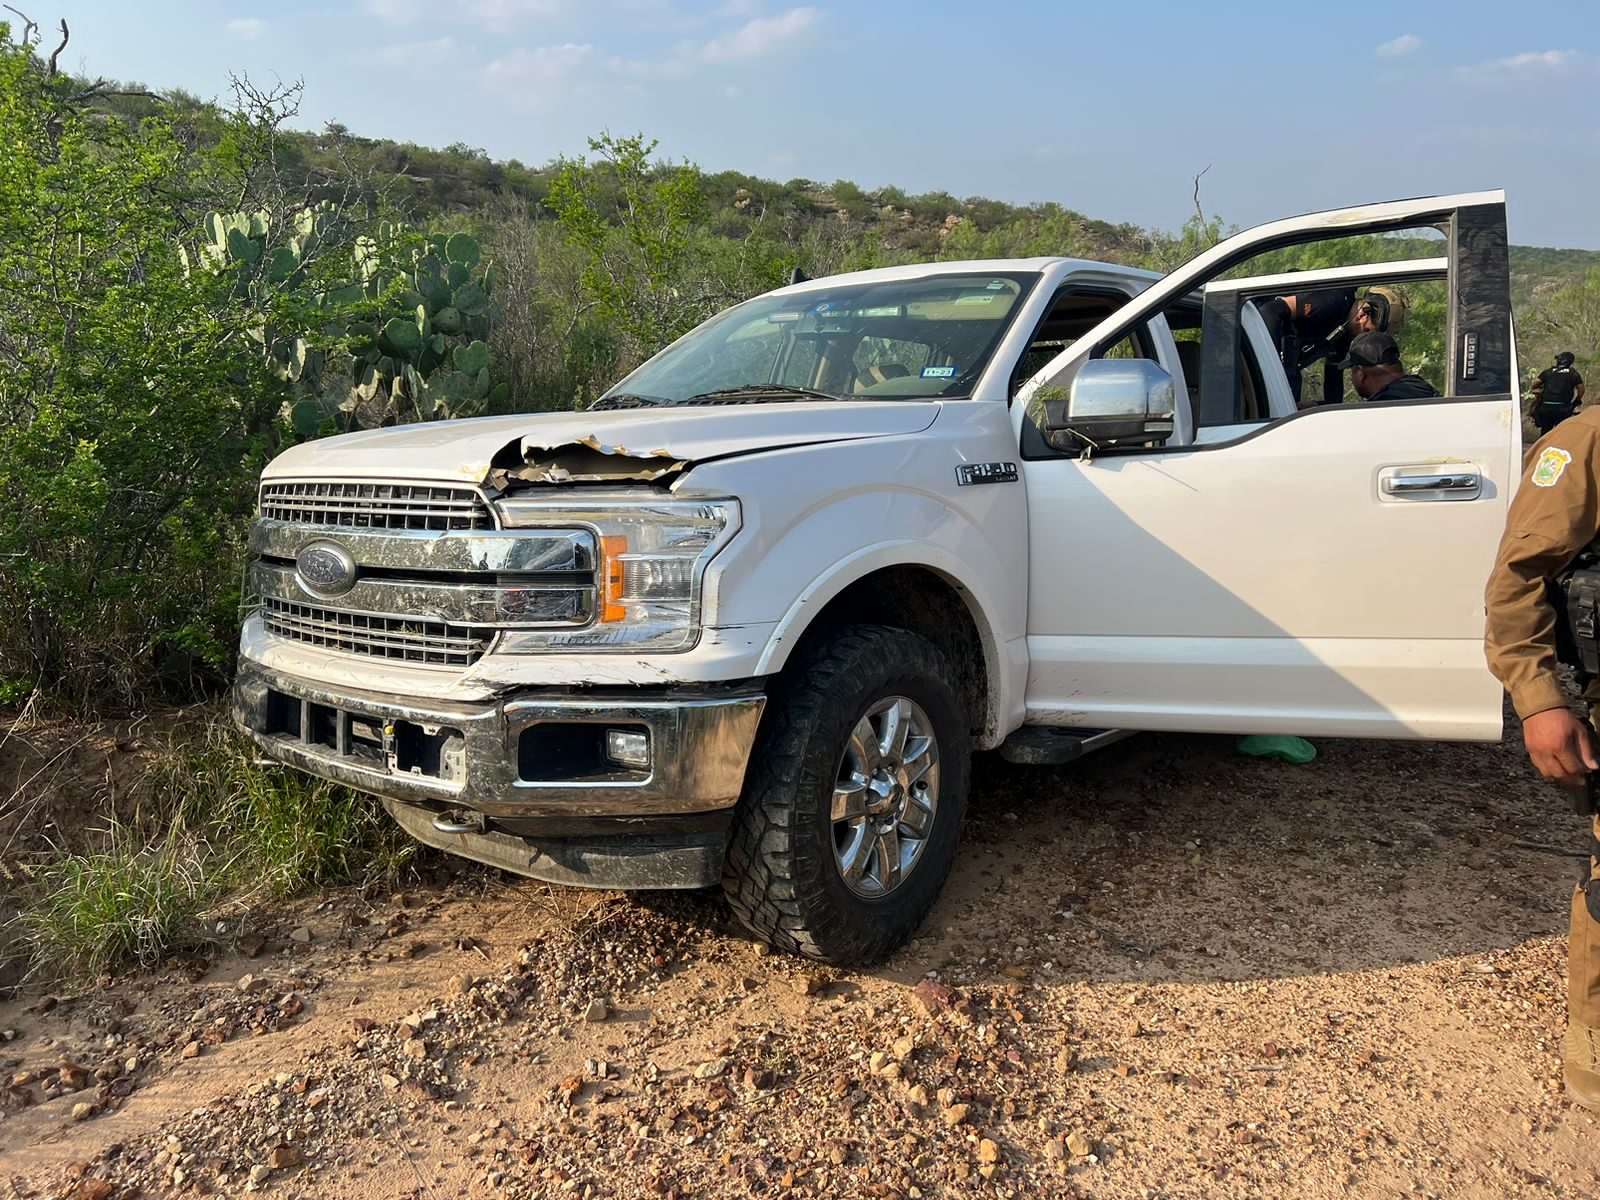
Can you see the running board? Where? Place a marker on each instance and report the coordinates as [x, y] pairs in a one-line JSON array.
[[1052, 745]]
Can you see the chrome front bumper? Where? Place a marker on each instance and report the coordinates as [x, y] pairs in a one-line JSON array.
[[533, 763]]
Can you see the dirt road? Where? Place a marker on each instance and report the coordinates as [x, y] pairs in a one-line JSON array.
[[1167, 971]]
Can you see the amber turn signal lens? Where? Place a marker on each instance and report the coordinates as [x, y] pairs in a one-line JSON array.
[[611, 574]]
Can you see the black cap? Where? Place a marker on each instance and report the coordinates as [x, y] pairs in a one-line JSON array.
[[1371, 350]]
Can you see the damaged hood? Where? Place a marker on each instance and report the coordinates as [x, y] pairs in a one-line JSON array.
[[629, 444]]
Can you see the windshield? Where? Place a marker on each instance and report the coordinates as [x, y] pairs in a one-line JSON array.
[[898, 339]]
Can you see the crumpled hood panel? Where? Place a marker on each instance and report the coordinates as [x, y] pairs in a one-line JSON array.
[[466, 450]]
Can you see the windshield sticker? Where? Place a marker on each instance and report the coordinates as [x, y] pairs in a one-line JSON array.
[[997, 285], [938, 372], [824, 308], [1549, 467]]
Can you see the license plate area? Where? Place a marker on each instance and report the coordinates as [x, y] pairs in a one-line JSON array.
[[407, 748]]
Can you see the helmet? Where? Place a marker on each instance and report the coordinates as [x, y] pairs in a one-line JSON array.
[[1386, 306], [1564, 359]]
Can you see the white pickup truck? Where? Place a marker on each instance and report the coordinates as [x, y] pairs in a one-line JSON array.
[[745, 620]]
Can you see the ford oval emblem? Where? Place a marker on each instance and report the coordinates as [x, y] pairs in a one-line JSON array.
[[325, 569]]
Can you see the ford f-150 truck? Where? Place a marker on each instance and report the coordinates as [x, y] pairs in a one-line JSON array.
[[745, 620]]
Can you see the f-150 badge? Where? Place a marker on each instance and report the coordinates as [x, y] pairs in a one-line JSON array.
[[992, 472]]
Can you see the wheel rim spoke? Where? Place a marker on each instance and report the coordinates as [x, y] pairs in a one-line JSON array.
[[885, 800], [888, 855], [850, 800], [916, 820], [920, 759], [896, 725], [864, 750], [856, 855]]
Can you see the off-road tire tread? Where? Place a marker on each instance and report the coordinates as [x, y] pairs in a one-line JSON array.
[[773, 874]]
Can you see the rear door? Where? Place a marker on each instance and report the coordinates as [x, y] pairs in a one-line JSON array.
[[1315, 571]]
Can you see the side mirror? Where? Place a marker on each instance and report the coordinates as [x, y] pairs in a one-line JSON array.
[[1114, 400]]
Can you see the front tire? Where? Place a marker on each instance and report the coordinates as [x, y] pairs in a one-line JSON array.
[[854, 800]]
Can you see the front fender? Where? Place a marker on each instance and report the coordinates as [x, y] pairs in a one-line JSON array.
[[818, 519]]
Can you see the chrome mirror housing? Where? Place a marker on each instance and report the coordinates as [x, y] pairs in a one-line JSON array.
[[1115, 400]]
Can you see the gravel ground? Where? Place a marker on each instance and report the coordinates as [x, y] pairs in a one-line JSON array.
[[1166, 971]]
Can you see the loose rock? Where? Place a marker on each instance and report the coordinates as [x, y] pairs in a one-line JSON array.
[[281, 1157]]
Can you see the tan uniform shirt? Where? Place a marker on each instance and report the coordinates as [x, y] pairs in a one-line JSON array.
[[1555, 514]]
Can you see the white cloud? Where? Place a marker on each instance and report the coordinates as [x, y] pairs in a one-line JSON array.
[[760, 37], [1406, 43], [1532, 68], [503, 16], [531, 76], [248, 28], [395, 12], [410, 54], [1537, 60], [676, 65], [496, 16], [1530, 65]]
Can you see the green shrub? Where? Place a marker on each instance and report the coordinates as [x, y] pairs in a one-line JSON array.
[[131, 903], [130, 433], [286, 831]]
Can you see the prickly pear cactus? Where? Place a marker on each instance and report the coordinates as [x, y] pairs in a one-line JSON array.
[[400, 335]]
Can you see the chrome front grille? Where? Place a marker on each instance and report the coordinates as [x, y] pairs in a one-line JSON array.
[[425, 575], [394, 506], [398, 638]]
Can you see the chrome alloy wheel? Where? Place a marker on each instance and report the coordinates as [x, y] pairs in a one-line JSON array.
[[885, 796]]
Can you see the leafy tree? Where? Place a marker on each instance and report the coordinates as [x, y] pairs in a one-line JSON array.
[[1569, 320], [650, 271], [635, 223], [129, 434]]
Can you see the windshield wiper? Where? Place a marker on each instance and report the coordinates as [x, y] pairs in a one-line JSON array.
[[627, 400], [760, 391]]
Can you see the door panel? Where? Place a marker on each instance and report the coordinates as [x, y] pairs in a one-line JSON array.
[[1296, 577], [1270, 585]]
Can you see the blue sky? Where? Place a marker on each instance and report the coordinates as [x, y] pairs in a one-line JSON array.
[[1109, 108]]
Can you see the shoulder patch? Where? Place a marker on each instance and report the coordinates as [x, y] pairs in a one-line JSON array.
[[1549, 467]]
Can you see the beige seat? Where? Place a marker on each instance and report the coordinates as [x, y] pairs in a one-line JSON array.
[[880, 373]]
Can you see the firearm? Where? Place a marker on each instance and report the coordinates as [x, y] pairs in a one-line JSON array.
[[1586, 800]]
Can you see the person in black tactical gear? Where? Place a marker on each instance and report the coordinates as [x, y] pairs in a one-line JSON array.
[[1310, 316], [1377, 374], [1308, 327], [1556, 393]]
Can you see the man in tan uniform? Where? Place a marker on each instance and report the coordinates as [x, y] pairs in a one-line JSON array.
[[1555, 515]]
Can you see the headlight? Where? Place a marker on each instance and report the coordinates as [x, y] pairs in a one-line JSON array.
[[652, 557]]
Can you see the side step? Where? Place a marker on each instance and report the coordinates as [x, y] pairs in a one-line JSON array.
[[1052, 745]]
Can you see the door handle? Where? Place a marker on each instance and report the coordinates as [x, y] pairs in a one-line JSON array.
[[1454, 481]]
